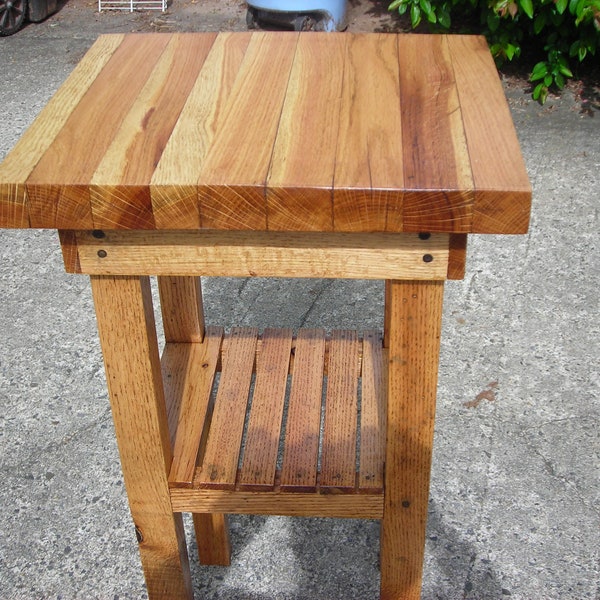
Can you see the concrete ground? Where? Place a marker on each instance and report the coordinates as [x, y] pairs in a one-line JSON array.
[[514, 508]]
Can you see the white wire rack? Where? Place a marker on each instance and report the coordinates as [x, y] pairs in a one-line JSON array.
[[132, 5]]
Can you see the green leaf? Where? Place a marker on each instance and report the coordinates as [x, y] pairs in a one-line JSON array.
[[560, 81], [539, 71], [540, 93], [561, 6], [527, 6], [493, 22], [564, 70], [548, 80], [510, 51], [444, 18], [395, 4], [539, 23], [415, 15]]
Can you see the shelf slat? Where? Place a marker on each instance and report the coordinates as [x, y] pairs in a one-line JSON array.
[[188, 375], [301, 452], [372, 414], [338, 469], [329, 441], [266, 412], [227, 427]]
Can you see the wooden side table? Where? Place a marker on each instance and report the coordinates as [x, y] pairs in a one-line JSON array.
[[275, 155]]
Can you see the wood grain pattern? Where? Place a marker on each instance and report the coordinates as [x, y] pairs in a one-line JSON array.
[[300, 181], [503, 191], [264, 254], [369, 175], [189, 373], [338, 463], [457, 256], [137, 145], [274, 131], [181, 308], [189, 403], [58, 187], [208, 528], [220, 462], [173, 186], [414, 330], [351, 506], [372, 414], [266, 413], [436, 160], [299, 470], [133, 373], [35, 142], [232, 183], [70, 250]]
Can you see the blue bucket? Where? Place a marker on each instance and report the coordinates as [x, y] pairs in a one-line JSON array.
[[298, 15]]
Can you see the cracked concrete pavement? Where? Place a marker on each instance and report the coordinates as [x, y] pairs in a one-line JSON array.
[[514, 502]]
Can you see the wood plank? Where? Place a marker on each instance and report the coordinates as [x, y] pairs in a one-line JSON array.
[[189, 373], [220, 461], [173, 185], [68, 245], [266, 413], [368, 167], [300, 182], [338, 462], [301, 450], [414, 330], [58, 187], [133, 374], [231, 186], [208, 528], [352, 506], [120, 192], [264, 254], [372, 414], [20, 162], [503, 191], [436, 159], [457, 257], [181, 308]]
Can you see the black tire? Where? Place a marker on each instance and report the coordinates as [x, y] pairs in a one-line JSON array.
[[12, 15]]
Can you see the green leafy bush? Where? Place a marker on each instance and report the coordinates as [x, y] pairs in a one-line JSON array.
[[558, 31]]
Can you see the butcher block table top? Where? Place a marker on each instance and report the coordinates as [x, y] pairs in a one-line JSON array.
[[273, 132]]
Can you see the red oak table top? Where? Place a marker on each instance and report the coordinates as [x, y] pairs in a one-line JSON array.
[[273, 131]]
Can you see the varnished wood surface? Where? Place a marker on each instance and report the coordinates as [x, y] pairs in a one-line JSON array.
[[273, 131], [329, 438]]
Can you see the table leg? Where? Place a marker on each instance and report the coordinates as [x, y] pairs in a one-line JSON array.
[[183, 321], [133, 373], [413, 328]]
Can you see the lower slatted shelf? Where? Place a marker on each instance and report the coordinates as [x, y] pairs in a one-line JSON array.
[[265, 419]]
